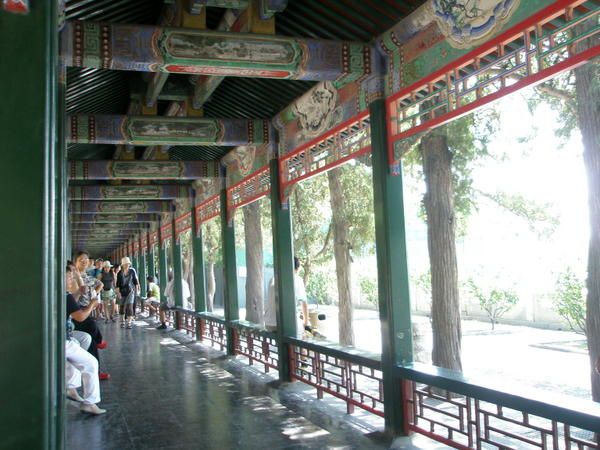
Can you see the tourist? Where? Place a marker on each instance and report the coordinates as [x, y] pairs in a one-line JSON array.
[[92, 288], [107, 277], [153, 300], [128, 286], [81, 367], [170, 295]]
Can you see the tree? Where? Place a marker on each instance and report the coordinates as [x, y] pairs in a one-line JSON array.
[[348, 195], [211, 235], [254, 263], [495, 302], [569, 300], [575, 96], [343, 260]]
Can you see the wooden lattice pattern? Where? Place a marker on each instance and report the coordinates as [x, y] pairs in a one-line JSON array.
[[344, 142], [467, 423], [358, 385], [257, 348], [525, 55]]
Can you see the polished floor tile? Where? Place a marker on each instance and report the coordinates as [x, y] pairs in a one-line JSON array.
[[167, 392]]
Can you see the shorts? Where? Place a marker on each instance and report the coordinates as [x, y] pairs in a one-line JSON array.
[[108, 296], [128, 299], [152, 300]]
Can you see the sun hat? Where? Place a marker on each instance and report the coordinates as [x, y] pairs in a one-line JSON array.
[[106, 263], [125, 260]]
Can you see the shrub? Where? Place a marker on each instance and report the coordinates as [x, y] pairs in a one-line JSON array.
[[495, 302], [569, 299]]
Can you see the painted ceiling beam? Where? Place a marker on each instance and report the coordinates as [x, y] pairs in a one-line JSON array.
[[150, 170], [233, 20], [183, 50], [114, 218], [140, 192], [149, 130], [133, 227], [127, 207]]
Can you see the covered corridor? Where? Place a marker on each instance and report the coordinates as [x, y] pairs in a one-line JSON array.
[[130, 126]]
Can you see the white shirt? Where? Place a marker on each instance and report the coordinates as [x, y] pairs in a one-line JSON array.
[[170, 292]]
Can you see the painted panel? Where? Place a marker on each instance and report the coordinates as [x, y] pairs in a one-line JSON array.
[[106, 170], [145, 130], [179, 50], [146, 192], [79, 207]]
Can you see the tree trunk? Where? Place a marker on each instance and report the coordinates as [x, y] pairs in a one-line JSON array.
[[341, 249], [254, 263], [211, 286], [588, 109], [439, 207], [189, 276]]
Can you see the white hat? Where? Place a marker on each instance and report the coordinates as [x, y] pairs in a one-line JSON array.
[[125, 260], [106, 263]]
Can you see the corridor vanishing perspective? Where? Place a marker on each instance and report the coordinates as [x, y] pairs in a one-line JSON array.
[[231, 165]]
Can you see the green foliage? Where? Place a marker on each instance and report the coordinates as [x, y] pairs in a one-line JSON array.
[[495, 301], [357, 183], [468, 139], [569, 299], [318, 287], [538, 216], [368, 288], [313, 236], [211, 236]]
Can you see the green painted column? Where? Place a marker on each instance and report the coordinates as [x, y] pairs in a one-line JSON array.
[[283, 254], [162, 270], [31, 374], [199, 269], [150, 270], [232, 310], [142, 273], [392, 269], [177, 268]]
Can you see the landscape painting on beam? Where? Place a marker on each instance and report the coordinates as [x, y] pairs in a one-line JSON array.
[[179, 50], [145, 130], [119, 207], [123, 170], [166, 192]]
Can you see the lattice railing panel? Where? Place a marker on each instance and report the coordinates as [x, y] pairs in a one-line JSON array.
[[257, 348], [212, 331], [187, 322], [467, 423], [525, 55], [358, 385], [248, 190], [208, 209], [344, 142]]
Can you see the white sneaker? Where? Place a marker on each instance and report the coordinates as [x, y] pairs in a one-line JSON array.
[[72, 394], [91, 408]]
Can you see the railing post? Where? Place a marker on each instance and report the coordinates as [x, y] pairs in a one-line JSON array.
[[231, 294], [199, 270], [283, 254], [392, 270], [177, 265], [151, 271], [142, 272]]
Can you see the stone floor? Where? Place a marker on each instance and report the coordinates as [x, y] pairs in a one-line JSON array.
[[168, 392]]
